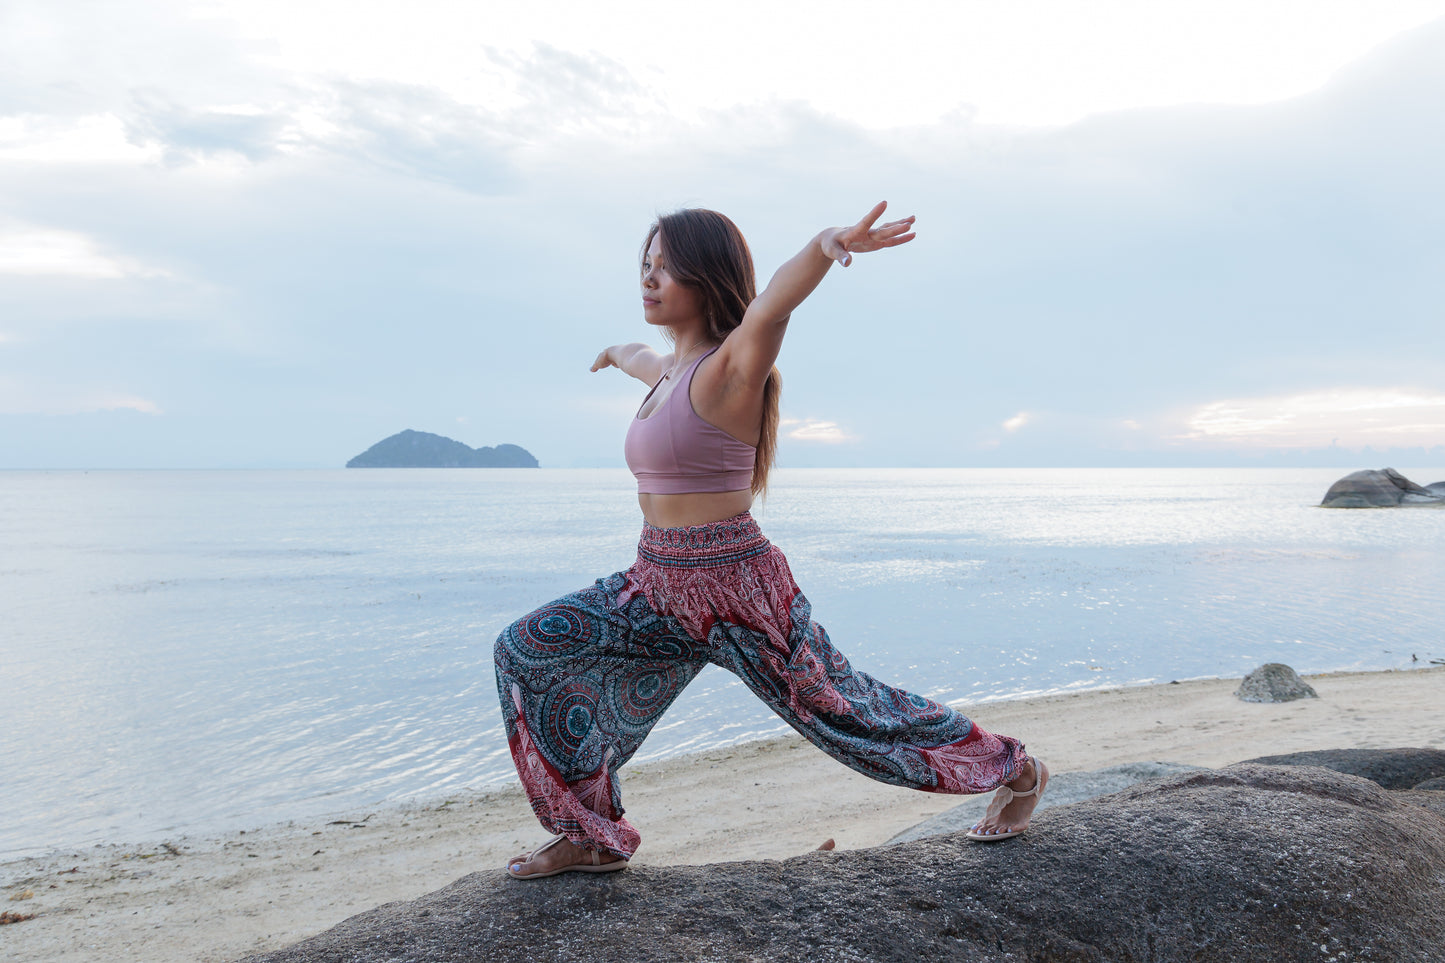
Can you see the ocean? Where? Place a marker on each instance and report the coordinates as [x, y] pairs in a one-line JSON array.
[[197, 652]]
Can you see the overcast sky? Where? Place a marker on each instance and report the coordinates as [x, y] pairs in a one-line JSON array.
[[268, 234]]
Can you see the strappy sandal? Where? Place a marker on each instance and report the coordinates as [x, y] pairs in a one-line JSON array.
[[596, 866], [1002, 798]]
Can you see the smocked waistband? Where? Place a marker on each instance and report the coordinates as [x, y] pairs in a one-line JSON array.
[[716, 543]]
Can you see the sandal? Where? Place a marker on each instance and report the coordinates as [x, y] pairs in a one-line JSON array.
[[1002, 798], [596, 866]]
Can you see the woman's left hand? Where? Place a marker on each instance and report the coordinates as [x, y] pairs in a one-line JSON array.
[[841, 243]]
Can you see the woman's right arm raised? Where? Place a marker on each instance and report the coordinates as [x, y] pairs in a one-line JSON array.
[[638, 360]]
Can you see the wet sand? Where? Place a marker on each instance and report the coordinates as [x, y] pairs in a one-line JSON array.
[[219, 898]]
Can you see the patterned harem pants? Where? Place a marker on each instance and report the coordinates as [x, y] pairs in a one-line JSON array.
[[584, 679]]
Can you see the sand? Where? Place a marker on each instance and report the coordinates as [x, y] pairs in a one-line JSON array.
[[220, 898]]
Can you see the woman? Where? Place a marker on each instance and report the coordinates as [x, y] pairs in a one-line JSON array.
[[584, 679]]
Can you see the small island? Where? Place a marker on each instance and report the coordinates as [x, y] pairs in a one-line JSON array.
[[422, 449]]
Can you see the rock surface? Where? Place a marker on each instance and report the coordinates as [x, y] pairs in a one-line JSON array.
[[1385, 488], [1274, 682], [422, 449], [1250, 862], [1064, 788], [1387, 768]]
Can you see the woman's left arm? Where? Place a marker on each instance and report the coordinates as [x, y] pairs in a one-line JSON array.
[[751, 349]]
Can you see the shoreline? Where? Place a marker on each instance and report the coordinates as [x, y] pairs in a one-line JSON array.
[[220, 897]]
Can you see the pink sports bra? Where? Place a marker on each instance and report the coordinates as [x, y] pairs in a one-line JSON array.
[[673, 450]]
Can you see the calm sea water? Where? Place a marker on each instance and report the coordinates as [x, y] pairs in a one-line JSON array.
[[189, 652]]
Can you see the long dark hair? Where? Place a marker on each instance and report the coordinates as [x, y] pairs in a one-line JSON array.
[[705, 251]]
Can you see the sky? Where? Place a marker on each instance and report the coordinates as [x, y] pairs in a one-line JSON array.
[[256, 234]]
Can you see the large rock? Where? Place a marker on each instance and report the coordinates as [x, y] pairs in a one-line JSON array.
[[1245, 863], [1385, 488], [1274, 682], [1063, 789], [1387, 768]]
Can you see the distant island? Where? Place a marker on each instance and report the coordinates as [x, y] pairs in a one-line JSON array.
[[422, 449]]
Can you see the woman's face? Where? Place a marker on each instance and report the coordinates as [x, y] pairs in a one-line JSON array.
[[665, 302]]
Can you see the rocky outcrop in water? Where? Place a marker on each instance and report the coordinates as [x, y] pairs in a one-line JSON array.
[[422, 449], [1251, 862], [1385, 488]]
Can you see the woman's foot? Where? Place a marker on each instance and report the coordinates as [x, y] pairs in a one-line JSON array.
[[1008, 814], [560, 855]]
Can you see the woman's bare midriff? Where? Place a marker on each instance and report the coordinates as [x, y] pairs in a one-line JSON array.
[[693, 508]]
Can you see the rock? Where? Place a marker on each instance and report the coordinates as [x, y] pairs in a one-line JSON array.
[[1431, 799], [1385, 488], [1063, 788], [1274, 682], [1287, 864], [1388, 768], [1437, 785]]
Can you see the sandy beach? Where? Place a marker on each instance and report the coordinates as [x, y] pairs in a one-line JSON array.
[[220, 898]]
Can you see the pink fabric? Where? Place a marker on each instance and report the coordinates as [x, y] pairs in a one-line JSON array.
[[673, 450], [758, 594]]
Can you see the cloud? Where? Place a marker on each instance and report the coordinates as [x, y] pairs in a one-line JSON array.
[[182, 132], [90, 139], [559, 89], [394, 251], [418, 131], [127, 402], [26, 250], [815, 430], [21, 396], [1350, 417]]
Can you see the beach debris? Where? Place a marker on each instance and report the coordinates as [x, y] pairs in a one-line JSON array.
[[1274, 682], [23, 894], [355, 823], [9, 917], [827, 846]]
